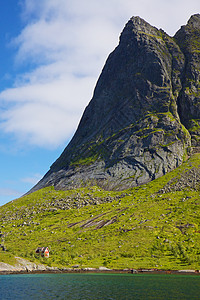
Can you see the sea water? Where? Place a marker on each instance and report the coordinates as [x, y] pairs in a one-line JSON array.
[[99, 286]]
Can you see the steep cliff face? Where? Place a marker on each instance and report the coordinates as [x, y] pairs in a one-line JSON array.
[[188, 38], [134, 128]]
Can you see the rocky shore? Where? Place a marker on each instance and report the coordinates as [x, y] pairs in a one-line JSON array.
[[24, 266]]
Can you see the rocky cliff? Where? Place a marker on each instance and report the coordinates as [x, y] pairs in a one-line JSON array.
[[144, 115]]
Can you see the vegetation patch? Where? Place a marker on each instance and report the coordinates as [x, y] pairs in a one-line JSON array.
[[150, 226], [85, 161]]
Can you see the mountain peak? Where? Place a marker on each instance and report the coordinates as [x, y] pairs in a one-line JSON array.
[[143, 116], [194, 21], [190, 29], [137, 25]]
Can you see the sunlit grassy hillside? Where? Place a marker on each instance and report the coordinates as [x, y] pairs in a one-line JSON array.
[[156, 225]]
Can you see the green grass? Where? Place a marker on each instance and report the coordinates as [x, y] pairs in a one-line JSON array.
[[85, 161], [147, 228]]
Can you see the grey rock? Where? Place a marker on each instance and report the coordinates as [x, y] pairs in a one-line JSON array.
[[104, 269], [22, 265], [143, 116], [89, 269]]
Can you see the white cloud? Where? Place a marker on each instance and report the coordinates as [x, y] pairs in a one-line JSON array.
[[45, 114], [9, 192], [32, 180], [63, 47]]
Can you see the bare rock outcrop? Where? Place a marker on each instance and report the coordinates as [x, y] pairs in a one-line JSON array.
[[22, 265]]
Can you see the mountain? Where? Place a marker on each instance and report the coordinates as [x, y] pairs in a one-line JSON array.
[[142, 122], [144, 117]]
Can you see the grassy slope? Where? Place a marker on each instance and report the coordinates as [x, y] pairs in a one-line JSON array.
[[149, 229]]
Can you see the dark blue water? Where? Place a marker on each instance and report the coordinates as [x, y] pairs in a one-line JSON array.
[[99, 286]]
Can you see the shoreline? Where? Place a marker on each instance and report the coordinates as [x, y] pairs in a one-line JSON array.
[[24, 266], [101, 271]]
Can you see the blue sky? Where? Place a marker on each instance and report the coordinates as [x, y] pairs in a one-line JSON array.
[[51, 55]]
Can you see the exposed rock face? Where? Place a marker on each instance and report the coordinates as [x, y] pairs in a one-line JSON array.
[[144, 110], [188, 38], [22, 265]]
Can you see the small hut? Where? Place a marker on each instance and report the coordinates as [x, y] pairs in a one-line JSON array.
[[43, 251]]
